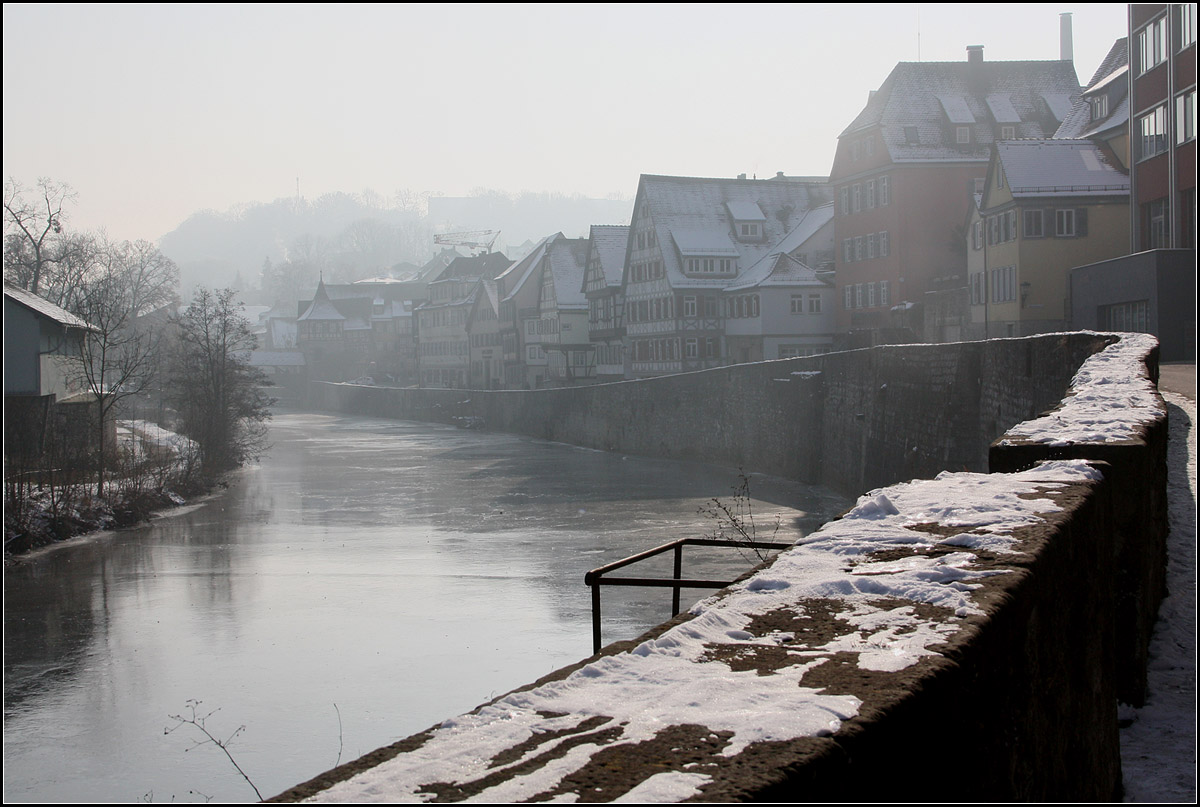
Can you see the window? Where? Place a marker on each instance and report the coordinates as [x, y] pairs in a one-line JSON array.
[[1010, 221], [962, 135], [859, 251], [977, 288], [1152, 44], [691, 348], [750, 230], [910, 135], [1185, 117], [872, 295], [710, 306], [1004, 285], [797, 304], [814, 304], [859, 295], [1156, 216], [1034, 224], [885, 297], [689, 306], [1008, 132], [977, 235], [844, 197], [883, 244], [1152, 133], [1132, 316], [847, 250], [885, 196], [710, 347], [1099, 105], [856, 197], [1187, 24], [869, 187], [848, 297], [1064, 223]]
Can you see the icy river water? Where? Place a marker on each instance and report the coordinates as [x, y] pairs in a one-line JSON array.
[[367, 579]]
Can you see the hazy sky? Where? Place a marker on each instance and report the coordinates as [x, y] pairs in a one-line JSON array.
[[154, 112]]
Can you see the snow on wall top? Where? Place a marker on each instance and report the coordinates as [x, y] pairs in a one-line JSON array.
[[890, 612], [1109, 399]]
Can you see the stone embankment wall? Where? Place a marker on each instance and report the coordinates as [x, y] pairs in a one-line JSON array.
[[852, 421], [966, 636]]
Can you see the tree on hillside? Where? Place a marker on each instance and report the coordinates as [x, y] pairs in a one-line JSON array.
[[218, 394], [124, 282]]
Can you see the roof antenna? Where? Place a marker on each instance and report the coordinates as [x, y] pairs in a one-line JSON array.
[[918, 33]]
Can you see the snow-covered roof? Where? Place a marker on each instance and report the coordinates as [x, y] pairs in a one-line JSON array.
[[712, 243], [609, 242], [745, 211], [567, 261], [513, 279], [691, 218], [1111, 79], [44, 307], [778, 269], [925, 95], [1060, 168], [806, 228], [1002, 108]]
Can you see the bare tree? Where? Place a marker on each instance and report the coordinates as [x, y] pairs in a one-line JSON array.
[[118, 359], [33, 220], [218, 394]]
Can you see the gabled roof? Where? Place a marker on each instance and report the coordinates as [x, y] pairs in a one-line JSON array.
[[609, 242], [691, 217], [513, 279], [1060, 168], [807, 227], [567, 262], [490, 266], [1112, 78], [778, 269], [1034, 96], [44, 307]]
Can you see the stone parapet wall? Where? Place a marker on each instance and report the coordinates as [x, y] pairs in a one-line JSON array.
[[968, 634]]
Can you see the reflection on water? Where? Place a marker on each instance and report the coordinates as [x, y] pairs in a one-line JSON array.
[[368, 579]]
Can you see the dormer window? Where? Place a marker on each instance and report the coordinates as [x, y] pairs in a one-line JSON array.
[[962, 135], [1008, 132], [911, 136], [751, 230], [1099, 105]]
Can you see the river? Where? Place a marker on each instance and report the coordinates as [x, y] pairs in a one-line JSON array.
[[366, 580]]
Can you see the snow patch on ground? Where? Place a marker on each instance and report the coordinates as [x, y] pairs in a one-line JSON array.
[[1158, 741]]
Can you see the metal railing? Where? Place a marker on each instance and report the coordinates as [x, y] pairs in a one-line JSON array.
[[595, 578]]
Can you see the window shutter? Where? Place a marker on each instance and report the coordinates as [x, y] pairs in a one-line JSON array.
[[1051, 222], [1081, 221]]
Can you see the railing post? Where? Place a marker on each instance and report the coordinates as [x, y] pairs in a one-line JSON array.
[[595, 616], [678, 574]]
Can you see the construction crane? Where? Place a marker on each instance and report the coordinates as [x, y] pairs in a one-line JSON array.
[[475, 239]]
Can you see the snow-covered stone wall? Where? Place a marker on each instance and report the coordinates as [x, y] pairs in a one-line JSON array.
[[953, 638]]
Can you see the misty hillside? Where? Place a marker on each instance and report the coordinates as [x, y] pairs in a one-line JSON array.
[[352, 236]]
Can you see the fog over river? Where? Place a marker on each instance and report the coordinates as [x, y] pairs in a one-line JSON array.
[[368, 579]]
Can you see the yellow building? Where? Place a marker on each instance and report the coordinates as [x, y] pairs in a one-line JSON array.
[[1047, 207]]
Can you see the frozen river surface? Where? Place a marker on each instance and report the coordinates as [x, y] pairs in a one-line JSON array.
[[368, 579]]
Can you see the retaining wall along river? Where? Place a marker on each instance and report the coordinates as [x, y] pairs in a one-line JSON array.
[[968, 634]]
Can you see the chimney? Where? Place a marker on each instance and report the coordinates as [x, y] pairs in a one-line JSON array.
[[975, 54], [1066, 50], [779, 175]]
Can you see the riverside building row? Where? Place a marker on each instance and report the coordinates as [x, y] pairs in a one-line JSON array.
[[967, 200]]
